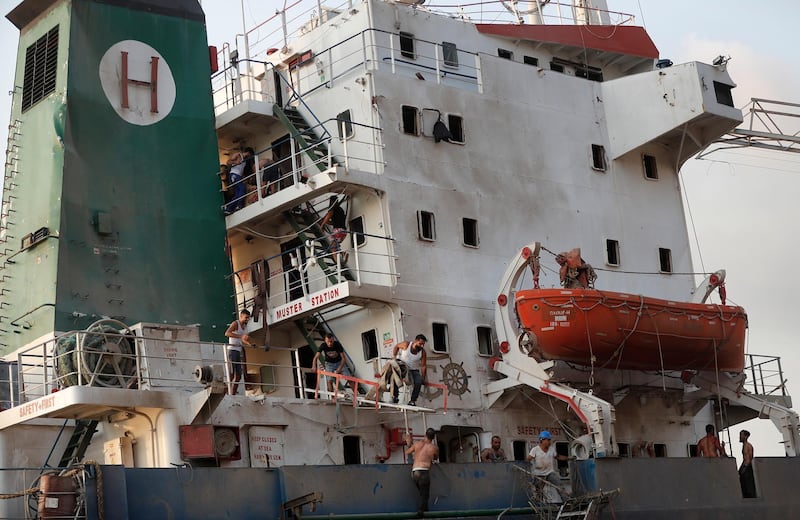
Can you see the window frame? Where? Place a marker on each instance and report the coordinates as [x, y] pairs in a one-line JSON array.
[[405, 52], [422, 216], [474, 224], [505, 54], [444, 329], [599, 156], [357, 233], [405, 111], [612, 244], [366, 348], [449, 54], [665, 260], [349, 129], [454, 139], [650, 167], [490, 343]]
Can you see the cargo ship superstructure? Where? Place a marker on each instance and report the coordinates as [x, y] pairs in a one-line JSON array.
[[371, 170]]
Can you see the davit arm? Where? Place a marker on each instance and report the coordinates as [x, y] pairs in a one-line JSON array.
[[519, 368]]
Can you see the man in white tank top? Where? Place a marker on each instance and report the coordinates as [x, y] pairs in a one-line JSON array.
[[415, 358], [237, 340]]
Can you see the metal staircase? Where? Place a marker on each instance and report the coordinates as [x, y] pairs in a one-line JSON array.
[[78, 442], [304, 223], [313, 145], [313, 327]]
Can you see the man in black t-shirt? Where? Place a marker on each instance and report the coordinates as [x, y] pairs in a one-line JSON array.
[[333, 360]]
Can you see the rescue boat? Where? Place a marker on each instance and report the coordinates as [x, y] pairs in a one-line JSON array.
[[608, 329]]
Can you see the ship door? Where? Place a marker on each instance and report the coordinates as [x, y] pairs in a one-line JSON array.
[[293, 279], [461, 444], [282, 155], [352, 449]]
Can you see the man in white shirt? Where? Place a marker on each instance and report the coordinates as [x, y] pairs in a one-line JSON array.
[[544, 458]]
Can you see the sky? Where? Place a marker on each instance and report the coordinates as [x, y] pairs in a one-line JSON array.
[[741, 205]]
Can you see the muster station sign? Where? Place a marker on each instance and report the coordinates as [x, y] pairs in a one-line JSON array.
[[309, 302]]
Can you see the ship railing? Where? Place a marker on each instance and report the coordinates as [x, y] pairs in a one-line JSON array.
[[301, 17], [764, 376], [298, 167], [296, 272], [277, 371], [373, 395]]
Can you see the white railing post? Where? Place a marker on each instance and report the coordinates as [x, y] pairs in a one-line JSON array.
[[344, 145], [295, 169], [436, 58], [257, 173], [479, 73], [391, 53], [354, 239]]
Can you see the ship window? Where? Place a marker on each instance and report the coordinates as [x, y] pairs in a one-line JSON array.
[[590, 73], [598, 157], [407, 46], [485, 341], [556, 67], [665, 260], [660, 450], [562, 448], [41, 64], [426, 225], [612, 252], [520, 450], [723, 93], [440, 337], [470, 232], [357, 231], [692, 450], [410, 120], [530, 60], [351, 445], [456, 126], [344, 122], [624, 449], [450, 54], [505, 54], [369, 342], [650, 169]]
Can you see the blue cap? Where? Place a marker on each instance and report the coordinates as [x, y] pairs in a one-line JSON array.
[[545, 435]]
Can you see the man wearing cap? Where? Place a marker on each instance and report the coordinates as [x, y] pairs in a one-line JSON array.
[[544, 456]]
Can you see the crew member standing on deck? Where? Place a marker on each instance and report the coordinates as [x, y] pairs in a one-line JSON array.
[[709, 446], [237, 339], [746, 477], [416, 360], [425, 452]]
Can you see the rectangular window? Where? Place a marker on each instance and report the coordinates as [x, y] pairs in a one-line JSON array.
[[520, 450], [426, 226], [440, 341], [530, 60], [692, 450], [410, 120], [505, 54], [470, 232], [344, 125], [357, 231], [450, 54], [456, 126], [665, 260], [407, 49], [612, 252], [369, 343], [41, 64], [485, 341], [590, 73], [624, 449], [660, 450], [562, 448], [598, 157], [556, 67], [650, 169], [723, 93]]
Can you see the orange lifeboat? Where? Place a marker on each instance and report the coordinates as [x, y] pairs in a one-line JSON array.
[[632, 331]]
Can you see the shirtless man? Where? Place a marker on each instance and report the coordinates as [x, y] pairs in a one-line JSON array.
[[495, 453], [425, 452], [709, 446], [746, 477]]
